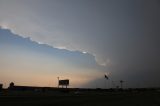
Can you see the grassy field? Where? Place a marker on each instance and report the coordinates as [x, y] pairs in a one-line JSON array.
[[26, 98]]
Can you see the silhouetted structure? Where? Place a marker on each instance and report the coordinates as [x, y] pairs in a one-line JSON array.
[[56, 90], [121, 82], [28, 88], [1, 87], [11, 85], [105, 76], [63, 83], [58, 81]]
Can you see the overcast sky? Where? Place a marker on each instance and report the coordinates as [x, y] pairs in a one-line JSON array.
[[81, 40]]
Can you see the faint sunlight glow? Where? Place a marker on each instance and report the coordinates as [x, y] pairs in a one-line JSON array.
[[84, 52]]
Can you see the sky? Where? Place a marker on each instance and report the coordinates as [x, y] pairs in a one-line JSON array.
[[80, 40]]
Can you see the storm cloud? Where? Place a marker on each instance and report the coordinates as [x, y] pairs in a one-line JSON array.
[[123, 36]]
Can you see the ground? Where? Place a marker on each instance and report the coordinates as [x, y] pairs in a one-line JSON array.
[[87, 98]]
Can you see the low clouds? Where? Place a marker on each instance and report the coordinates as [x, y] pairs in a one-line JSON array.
[[122, 35]]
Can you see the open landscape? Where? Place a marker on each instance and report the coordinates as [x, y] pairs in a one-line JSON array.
[[79, 52], [81, 97]]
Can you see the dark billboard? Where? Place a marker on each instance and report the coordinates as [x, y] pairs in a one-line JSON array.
[[64, 82]]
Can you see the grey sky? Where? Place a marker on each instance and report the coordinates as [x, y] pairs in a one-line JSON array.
[[123, 35]]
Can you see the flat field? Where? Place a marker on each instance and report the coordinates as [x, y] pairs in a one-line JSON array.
[[87, 98]]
